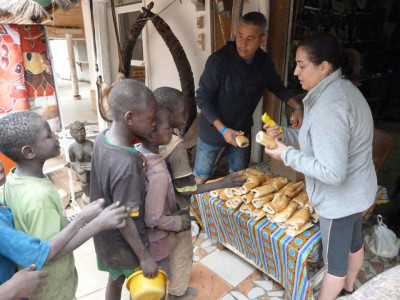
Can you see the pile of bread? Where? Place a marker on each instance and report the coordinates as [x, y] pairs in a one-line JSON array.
[[282, 202]]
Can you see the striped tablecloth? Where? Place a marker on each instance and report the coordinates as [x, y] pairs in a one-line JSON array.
[[277, 254]]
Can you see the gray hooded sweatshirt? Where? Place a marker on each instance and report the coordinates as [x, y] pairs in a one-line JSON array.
[[335, 153]]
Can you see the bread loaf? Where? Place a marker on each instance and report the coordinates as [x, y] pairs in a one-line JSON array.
[[246, 208], [285, 214], [247, 198], [301, 198], [299, 218], [260, 201], [277, 204], [294, 189], [262, 190], [242, 141], [266, 140], [257, 214], [294, 232]]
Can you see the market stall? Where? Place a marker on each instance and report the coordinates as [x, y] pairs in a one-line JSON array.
[[265, 245]]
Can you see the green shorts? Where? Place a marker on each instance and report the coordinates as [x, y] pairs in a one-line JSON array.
[[114, 272]]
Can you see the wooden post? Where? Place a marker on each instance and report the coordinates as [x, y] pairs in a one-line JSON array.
[[72, 66]]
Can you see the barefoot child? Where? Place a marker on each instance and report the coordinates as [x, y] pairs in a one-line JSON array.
[[177, 161], [117, 175], [160, 205]]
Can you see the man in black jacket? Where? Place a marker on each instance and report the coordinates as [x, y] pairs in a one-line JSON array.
[[233, 82]]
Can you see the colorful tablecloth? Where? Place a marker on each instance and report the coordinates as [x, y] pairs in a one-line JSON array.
[[277, 254]]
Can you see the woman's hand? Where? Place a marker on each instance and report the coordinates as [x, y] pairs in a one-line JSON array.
[[276, 153], [273, 131]]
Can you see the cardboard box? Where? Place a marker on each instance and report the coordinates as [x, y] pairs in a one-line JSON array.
[[278, 168]]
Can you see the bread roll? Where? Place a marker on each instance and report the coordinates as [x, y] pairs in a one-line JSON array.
[[299, 218], [309, 207], [242, 141], [246, 208], [257, 214], [278, 204], [247, 198], [294, 189], [222, 196], [251, 182], [262, 190], [294, 232], [237, 191], [314, 217], [278, 182], [285, 214], [231, 204], [262, 177], [216, 193], [229, 193], [259, 202], [266, 140], [301, 198]]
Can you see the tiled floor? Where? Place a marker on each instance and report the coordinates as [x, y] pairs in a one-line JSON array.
[[217, 274]]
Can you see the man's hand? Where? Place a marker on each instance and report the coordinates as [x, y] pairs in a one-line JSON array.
[[149, 267], [297, 119], [232, 180], [276, 153], [28, 283], [185, 219], [113, 217], [230, 134]]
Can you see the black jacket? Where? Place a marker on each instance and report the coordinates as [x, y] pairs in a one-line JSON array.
[[230, 89]]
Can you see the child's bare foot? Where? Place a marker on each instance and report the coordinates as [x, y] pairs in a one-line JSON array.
[[190, 293]]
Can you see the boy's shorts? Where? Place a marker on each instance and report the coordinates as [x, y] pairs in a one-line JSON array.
[[114, 272]]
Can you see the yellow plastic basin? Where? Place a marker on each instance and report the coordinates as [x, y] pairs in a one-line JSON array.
[[143, 288]]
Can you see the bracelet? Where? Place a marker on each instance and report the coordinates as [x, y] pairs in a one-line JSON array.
[[298, 109], [223, 130]]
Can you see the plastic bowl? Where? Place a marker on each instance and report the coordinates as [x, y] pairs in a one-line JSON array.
[[143, 288]]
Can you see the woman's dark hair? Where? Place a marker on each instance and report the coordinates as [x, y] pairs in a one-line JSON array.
[[326, 47]]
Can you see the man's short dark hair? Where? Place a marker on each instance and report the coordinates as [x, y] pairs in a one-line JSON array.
[[168, 97], [126, 95], [256, 19], [17, 130]]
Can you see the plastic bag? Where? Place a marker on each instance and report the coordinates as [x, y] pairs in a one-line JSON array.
[[382, 241]]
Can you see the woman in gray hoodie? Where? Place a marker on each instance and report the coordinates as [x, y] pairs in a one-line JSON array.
[[335, 154]]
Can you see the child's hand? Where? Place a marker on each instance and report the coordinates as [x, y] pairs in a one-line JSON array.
[[28, 282], [92, 210], [232, 180], [185, 219], [113, 217], [149, 267]]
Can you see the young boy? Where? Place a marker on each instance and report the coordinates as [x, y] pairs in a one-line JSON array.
[[160, 204], [38, 210], [117, 175], [177, 161]]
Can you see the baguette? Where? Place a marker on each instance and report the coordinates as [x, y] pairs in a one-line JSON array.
[[247, 198], [257, 214], [294, 189], [246, 208], [237, 191], [285, 214], [242, 141], [262, 177], [216, 193], [259, 202], [278, 182], [251, 183], [309, 207], [301, 198], [228, 192], [232, 205], [299, 218], [314, 217], [262, 190], [278, 204], [266, 140], [294, 232]]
